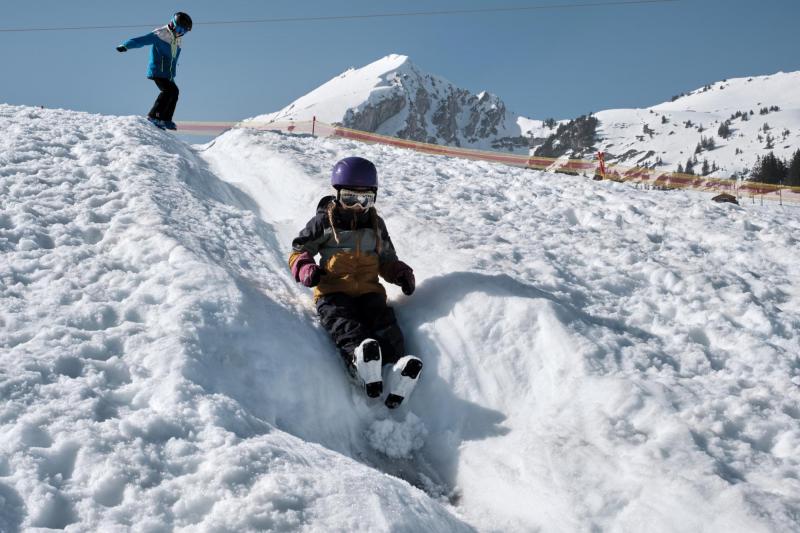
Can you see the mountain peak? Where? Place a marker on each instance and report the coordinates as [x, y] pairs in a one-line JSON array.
[[392, 96], [392, 62]]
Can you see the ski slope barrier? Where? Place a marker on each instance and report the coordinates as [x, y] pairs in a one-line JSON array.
[[589, 363], [639, 175]]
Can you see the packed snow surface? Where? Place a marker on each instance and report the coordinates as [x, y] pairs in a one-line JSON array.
[[597, 357]]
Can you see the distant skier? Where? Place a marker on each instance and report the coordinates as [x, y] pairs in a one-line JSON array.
[[354, 248], [166, 42]]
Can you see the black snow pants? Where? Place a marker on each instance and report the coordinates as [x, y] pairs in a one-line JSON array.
[[164, 106], [351, 319]]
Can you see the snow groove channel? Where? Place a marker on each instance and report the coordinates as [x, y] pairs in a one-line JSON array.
[[597, 357]]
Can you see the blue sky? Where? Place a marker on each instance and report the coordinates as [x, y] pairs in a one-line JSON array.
[[546, 63]]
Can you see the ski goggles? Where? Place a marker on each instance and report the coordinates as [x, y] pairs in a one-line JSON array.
[[354, 199], [180, 30]]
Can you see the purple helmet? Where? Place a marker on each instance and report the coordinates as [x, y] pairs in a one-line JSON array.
[[354, 172]]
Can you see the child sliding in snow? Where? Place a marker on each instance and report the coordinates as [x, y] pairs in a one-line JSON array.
[[355, 248], [166, 43]]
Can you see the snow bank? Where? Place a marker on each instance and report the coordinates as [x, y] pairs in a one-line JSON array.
[[149, 381]]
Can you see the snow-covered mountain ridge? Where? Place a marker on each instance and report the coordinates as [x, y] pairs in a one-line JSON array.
[[392, 96], [591, 364], [762, 115]]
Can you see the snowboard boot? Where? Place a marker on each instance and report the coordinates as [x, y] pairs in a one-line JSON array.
[[158, 123], [368, 365], [403, 379], [168, 124]]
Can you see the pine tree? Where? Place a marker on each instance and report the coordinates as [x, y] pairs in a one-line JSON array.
[[689, 169], [724, 130], [793, 172], [768, 169]]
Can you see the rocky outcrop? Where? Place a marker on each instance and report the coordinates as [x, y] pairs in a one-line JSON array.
[[370, 117], [576, 138], [416, 126], [393, 97], [418, 106]]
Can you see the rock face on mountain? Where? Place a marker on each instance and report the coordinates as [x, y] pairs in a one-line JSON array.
[[394, 97]]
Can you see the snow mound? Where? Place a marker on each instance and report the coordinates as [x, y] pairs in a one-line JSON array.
[[397, 439], [158, 369]]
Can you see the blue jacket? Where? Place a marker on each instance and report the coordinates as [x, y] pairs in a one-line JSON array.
[[163, 55]]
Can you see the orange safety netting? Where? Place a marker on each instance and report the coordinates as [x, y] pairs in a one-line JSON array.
[[646, 176]]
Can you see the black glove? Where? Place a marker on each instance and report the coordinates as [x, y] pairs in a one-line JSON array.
[[121, 48], [407, 282], [315, 277]]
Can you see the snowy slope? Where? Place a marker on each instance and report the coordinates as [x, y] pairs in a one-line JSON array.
[[597, 357], [392, 96], [678, 127], [591, 363], [147, 380]]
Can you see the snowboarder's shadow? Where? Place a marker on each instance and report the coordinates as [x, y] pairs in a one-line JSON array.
[[452, 420]]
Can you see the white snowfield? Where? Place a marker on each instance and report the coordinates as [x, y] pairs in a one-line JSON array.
[[677, 127], [597, 357]]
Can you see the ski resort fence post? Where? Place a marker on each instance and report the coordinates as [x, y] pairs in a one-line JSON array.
[[602, 157], [313, 125]]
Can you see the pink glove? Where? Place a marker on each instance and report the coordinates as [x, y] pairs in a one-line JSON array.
[[306, 271], [310, 275]]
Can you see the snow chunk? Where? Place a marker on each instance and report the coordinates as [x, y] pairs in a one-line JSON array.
[[395, 439]]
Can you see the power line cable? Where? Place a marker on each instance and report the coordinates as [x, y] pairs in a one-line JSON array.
[[358, 17]]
